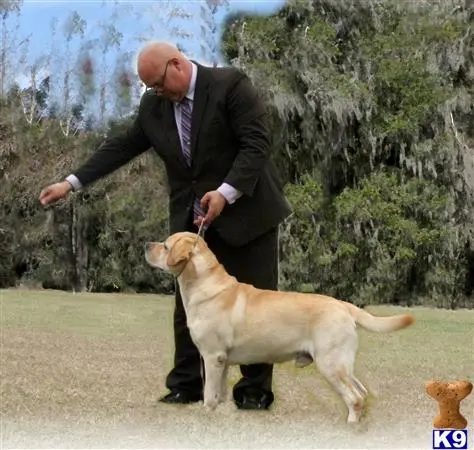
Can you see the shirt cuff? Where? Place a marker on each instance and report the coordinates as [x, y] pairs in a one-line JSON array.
[[75, 183], [230, 193]]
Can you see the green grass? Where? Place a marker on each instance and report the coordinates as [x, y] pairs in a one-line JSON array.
[[100, 357], [92, 315]]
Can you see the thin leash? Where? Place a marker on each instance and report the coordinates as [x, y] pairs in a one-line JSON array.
[[200, 233]]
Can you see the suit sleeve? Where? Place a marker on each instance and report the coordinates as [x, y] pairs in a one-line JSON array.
[[113, 153], [247, 116]]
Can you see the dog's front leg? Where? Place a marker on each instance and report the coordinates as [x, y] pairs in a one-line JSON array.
[[223, 391], [215, 368]]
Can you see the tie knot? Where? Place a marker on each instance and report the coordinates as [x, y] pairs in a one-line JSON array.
[[185, 102]]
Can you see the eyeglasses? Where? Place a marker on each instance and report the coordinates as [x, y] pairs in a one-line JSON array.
[[158, 85]]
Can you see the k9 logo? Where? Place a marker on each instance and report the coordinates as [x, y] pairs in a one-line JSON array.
[[444, 439]]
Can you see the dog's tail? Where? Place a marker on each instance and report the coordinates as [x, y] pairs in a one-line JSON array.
[[379, 324]]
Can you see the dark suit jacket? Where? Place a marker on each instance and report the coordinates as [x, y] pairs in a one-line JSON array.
[[230, 142]]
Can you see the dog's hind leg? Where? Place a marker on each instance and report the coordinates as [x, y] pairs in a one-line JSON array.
[[335, 359], [215, 368], [341, 383], [359, 394], [358, 385]]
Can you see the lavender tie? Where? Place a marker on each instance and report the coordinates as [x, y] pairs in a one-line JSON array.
[[186, 111]]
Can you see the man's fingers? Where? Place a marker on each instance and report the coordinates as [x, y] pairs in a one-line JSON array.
[[44, 192], [45, 196], [212, 212], [205, 200], [198, 220], [51, 194], [214, 208]]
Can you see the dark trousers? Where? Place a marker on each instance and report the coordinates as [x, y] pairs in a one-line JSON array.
[[255, 263]]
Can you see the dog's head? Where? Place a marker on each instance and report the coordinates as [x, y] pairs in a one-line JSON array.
[[174, 253]]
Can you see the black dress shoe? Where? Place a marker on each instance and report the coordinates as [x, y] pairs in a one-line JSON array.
[[183, 397], [246, 401]]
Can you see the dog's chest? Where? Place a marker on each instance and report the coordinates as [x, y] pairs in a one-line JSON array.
[[208, 330]]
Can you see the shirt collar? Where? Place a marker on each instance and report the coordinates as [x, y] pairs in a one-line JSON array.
[[192, 83]]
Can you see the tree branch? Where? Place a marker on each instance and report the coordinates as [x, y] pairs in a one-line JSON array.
[[456, 134]]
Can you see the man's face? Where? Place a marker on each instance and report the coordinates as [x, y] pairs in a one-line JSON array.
[[166, 79]]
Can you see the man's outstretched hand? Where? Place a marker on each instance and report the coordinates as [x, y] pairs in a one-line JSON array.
[[215, 202], [55, 192]]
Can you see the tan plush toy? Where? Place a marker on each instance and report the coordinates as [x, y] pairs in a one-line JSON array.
[[449, 395]]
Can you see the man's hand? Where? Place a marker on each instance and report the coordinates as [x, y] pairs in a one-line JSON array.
[[214, 201], [55, 192]]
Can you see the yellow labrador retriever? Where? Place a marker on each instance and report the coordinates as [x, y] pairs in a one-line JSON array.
[[236, 323]]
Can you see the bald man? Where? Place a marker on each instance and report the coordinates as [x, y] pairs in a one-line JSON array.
[[210, 128]]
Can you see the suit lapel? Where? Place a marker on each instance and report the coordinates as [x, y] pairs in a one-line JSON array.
[[201, 96]]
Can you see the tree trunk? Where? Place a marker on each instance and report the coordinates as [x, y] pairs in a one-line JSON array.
[[79, 249]]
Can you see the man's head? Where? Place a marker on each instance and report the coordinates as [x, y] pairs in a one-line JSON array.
[[162, 67]]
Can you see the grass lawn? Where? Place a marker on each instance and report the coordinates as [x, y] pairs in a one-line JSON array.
[[85, 370]]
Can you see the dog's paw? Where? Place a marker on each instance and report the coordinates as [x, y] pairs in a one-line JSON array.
[[360, 427], [211, 404]]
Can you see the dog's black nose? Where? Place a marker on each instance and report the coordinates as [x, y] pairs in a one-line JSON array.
[[148, 245]]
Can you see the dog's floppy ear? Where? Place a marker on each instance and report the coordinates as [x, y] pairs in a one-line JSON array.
[[181, 251]]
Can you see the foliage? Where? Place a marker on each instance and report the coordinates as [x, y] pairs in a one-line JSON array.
[[383, 241], [94, 240], [371, 106]]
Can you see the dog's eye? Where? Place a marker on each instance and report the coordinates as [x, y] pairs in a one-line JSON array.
[[165, 247]]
